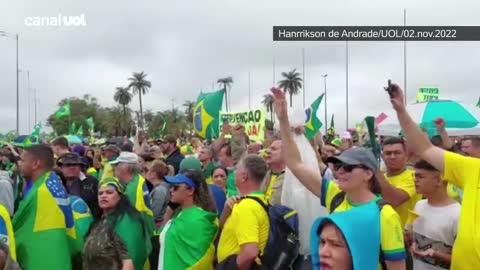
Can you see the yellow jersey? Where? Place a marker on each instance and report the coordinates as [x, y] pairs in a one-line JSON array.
[[391, 230], [248, 223], [464, 172], [406, 182]]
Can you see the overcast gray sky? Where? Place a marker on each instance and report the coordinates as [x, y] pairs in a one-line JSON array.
[[185, 46]]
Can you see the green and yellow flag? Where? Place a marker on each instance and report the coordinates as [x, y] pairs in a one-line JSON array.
[[186, 242], [91, 125], [80, 131], [206, 113], [6, 231], [313, 124], [37, 129], [44, 227], [478, 103], [138, 195], [72, 129], [331, 130], [63, 111]]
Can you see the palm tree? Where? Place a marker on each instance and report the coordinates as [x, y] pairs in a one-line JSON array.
[[189, 106], [225, 83], [268, 103], [123, 97], [291, 84], [139, 86]]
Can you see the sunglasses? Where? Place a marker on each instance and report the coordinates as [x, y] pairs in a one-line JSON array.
[[348, 168]]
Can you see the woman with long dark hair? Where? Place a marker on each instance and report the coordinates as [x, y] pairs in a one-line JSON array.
[[118, 241], [187, 240]]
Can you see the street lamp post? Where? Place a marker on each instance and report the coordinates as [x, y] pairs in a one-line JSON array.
[[325, 98], [15, 36]]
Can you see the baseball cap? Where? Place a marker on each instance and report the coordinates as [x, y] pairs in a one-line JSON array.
[[70, 159], [190, 163], [356, 156], [126, 157], [181, 179]]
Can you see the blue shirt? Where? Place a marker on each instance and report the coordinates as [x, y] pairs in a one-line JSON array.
[[219, 197]]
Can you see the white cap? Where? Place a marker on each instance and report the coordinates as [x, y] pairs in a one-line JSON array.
[[126, 157], [346, 135]]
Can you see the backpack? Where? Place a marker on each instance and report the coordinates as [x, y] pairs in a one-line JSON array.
[[283, 243], [339, 198]]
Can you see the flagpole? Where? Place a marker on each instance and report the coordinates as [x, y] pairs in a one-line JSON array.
[[405, 56], [29, 97], [273, 82], [325, 99], [249, 92], [346, 83], [35, 103], [303, 75]]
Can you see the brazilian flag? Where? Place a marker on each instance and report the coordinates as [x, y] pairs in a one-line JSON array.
[[331, 131], [206, 114], [63, 111], [313, 124]]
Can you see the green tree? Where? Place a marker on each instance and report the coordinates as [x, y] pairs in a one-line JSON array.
[[81, 109], [291, 84], [139, 86], [123, 97], [226, 84], [268, 103]]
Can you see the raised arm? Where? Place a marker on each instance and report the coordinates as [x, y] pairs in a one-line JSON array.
[[447, 143], [415, 137], [309, 177]]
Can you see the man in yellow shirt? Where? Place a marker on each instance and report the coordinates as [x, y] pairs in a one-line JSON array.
[[398, 182], [110, 153], [463, 172], [245, 222]]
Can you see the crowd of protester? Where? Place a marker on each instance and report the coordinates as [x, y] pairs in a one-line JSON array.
[[166, 204]]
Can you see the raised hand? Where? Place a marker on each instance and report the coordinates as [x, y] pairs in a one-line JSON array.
[[439, 123], [280, 103], [397, 97]]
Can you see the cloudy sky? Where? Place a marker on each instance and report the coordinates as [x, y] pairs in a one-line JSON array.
[[185, 46]]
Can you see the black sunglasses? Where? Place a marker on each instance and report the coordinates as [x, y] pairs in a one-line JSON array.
[[348, 168]]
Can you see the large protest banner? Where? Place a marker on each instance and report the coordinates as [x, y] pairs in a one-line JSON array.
[[253, 120]]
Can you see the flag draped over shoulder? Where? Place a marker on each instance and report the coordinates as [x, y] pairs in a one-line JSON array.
[[6, 231], [45, 228], [186, 242], [313, 124], [138, 195], [63, 111], [206, 113]]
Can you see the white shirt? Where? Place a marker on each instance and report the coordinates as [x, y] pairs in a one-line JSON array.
[[436, 228]]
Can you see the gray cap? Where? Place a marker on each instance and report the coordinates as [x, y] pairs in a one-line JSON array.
[[126, 157], [356, 156]]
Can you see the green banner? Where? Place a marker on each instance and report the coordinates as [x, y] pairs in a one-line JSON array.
[[427, 93]]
